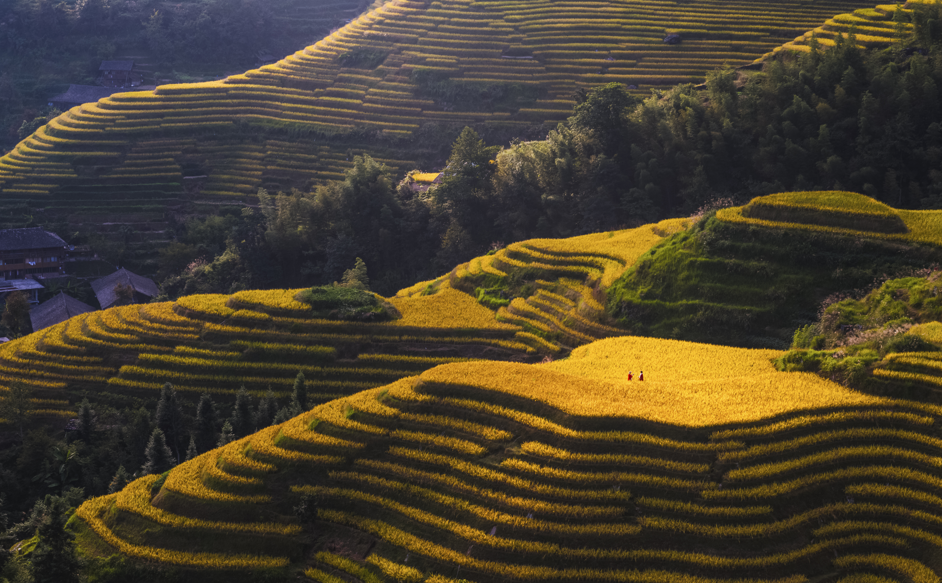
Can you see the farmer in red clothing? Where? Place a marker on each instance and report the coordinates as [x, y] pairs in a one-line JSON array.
[[630, 376], [641, 376]]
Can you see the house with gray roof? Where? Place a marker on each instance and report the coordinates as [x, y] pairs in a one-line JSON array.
[[32, 252], [106, 289], [57, 310]]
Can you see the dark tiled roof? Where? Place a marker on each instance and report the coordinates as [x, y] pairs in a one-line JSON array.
[[116, 66], [58, 309], [12, 285], [91, 93], [32, 238], [104, 287]]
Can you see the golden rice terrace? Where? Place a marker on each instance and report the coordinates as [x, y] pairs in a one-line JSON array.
[[373, 81], [562, 472]]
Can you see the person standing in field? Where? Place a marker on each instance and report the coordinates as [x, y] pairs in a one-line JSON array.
[[641, 376], [630, 376]]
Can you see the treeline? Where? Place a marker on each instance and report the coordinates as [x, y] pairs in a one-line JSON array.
[[44, 474], [841, 118]]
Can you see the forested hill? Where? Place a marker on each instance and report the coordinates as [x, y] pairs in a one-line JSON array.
[[842, 118], [398, 83]]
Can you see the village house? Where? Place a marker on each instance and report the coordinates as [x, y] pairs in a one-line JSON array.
[[123, 287], [31, 253], [57, 310]]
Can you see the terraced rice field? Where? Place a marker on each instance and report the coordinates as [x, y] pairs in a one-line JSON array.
[[260, 340], [223, 140], [871, 27], [567, 308], [843, 213], [564, 472]]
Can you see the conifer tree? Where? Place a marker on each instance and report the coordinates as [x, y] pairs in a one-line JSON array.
[[86, 421], [6, 540], [207, 418], [119, 481], [225, 436], [267, 410], [191, 451], [299, 395], [17, 405], [242, 422], [170, 418], [159, 457], [283, 415], [54, 559]]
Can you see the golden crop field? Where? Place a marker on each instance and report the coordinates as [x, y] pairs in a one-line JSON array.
[[685, 383], [836, 212], [599, 479]]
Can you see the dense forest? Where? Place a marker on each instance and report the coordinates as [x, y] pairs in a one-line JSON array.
[[844, 118]]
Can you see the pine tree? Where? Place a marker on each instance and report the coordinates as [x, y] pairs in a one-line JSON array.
[[6, 540], [207, 418], [299, 396], [54, 559], [191, 451], [267, 410], [170, 418], [119, 481], [86, 421], [17, 405], [159, 457], [283, 415], [226, 435], [242, 422]]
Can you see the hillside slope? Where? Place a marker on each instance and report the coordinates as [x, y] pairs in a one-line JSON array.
[[262, 339], [715, 468], [753, 274], [396, 79]]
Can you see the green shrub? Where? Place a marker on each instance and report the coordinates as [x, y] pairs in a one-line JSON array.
[[337, 302], [490, 297], [808, 337], [909, 343]]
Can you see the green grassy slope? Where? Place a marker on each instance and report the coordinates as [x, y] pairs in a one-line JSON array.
[[730, 282]]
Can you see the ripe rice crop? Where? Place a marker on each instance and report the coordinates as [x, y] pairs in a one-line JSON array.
[[542, 450], [537, 422], [187, 480], [713, 391], [396, 571], [509, 480], [518, 522], [886, 473], [90, 511], [448, 308], [822, 438], [136, 499], [520, 503]]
